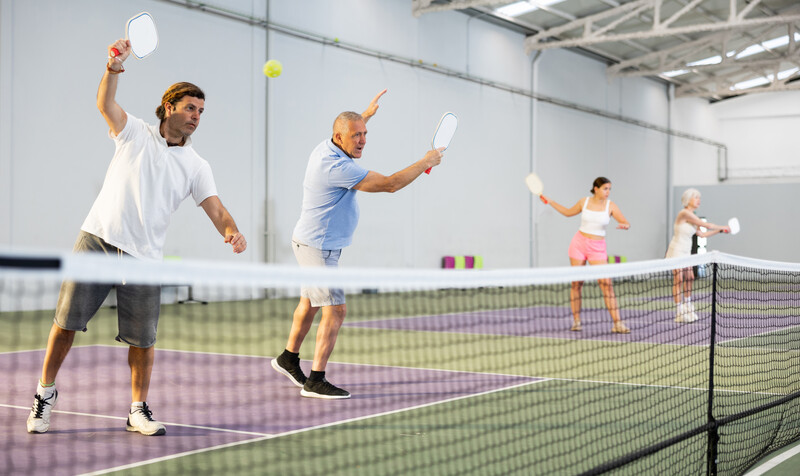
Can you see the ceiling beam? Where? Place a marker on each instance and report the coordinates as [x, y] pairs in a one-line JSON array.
[[420, 7], [687, 91], [678, 57], [586, 34]]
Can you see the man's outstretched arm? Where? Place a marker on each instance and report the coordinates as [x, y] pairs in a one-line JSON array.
[[375, 182], [224, 223]]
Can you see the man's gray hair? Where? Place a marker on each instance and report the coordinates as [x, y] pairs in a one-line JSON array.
[[688, 195], [343, 119]]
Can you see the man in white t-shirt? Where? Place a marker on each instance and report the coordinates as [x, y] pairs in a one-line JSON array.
[[153, 170], [327, 221]]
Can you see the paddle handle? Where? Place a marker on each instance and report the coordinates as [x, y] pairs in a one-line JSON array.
[[544, 200], [114, 52], [428, 171]]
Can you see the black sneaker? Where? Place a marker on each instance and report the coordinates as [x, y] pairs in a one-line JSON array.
[[323, 389], [290, 369]]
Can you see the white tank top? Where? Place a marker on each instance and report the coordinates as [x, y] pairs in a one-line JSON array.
[[592, 222]]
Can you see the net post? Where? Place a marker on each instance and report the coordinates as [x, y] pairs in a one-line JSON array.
[[713, 433]]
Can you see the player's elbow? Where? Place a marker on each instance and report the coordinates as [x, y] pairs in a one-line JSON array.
[[391, 188], [391, 184]]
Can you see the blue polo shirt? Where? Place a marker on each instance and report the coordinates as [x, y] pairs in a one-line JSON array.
[[330, 212]]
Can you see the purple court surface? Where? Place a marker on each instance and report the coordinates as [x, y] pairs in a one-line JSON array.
[[205, 400], [651, 326]]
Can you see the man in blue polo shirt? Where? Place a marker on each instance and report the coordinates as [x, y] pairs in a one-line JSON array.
[[327, 221]]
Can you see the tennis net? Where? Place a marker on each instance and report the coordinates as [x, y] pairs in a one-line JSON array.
[[451, 371]]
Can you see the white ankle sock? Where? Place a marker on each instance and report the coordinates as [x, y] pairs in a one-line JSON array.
[[43, 391]]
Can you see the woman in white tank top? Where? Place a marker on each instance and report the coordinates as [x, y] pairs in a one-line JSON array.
[[589, 245], [686, 225]]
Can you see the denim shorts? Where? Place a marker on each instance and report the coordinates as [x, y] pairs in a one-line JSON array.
[[308, 256], [138, 306]]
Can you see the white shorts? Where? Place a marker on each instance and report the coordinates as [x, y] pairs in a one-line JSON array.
[[308, 256]]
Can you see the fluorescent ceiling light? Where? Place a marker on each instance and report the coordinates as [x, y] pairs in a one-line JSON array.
[[519, 8]]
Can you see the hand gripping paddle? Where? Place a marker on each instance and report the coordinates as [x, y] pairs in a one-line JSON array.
[[733, 225], [444, 132]]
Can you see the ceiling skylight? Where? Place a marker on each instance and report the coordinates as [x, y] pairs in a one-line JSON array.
[[519, 8], [712, 60], [760, 81], [764, 45], [677, 72]]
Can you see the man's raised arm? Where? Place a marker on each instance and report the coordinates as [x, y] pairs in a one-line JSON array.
[[106, 94]]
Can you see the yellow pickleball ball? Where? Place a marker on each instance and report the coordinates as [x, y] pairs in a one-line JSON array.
[[273, 68]]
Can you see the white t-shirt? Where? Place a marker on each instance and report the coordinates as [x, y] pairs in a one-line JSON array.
[[145, 183]]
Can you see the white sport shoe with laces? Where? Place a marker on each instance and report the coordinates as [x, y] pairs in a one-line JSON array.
[[691, 316], [39, 418], [141, 420], [680, 313]]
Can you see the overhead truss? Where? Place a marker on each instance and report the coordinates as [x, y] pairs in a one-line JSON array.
[[700, 34]]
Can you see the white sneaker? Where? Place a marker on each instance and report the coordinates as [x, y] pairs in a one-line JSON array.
[[141, 420], [691, 316], [39, 419], [680, 313]]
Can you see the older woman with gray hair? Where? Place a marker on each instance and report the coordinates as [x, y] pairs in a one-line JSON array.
[[686, 225]]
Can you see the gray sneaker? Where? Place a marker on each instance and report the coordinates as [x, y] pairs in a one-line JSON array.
[[141, 420], [39, 419], [323, 389]]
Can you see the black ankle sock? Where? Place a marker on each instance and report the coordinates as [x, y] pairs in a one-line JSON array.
[[294, 356], [316, 375]]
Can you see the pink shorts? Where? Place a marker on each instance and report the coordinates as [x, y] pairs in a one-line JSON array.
[[587, 249]]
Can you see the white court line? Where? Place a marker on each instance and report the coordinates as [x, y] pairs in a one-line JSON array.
[[772, 463], [569, 339], [536, 378], [263, 437], [109, 417], [760, 334], [303, 430]]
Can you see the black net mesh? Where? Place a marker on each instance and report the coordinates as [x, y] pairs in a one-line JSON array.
[[452, 378]]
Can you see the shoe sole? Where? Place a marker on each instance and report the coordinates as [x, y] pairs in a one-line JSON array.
[[308, 394], [280, 369], [159, 432], [37, 431]]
